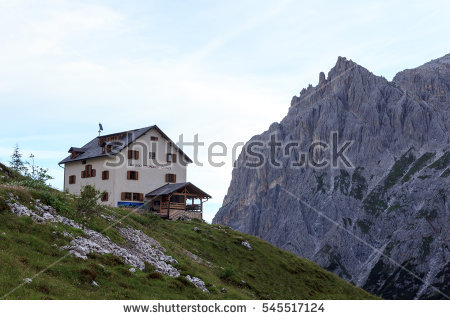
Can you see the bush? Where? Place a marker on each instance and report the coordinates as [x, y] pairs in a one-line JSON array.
[[3, 204], [87, 202], [155, 275], [226, 274]]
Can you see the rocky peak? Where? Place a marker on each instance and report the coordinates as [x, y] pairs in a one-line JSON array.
[[395, 197]]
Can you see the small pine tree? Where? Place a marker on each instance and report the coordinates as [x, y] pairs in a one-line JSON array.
[[17, 163], [87, 202]]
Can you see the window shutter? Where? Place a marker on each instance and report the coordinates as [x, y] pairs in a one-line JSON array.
[[167, 177], [93, 172], [174, 158], [141, 197], [83, 174], [130, 154], [128, 175], [122, 196], [174, 178], [136, 154], [137, 175]]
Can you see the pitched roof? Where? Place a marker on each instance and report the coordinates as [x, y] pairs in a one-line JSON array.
[[94, 150], [174, 187]]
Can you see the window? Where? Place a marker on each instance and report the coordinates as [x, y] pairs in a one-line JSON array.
[[126, 195], [83, 161], [171, 157], [133, 154], [105, 196], [152, 155], [132, 175], [88, 172], [138, 197], [170, 177], [153, 138], [72, 179], [105, 175]]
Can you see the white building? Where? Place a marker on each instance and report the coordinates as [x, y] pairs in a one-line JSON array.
[[133, 168]]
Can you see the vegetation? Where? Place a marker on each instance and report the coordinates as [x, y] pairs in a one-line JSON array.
[[418, 165], [265, 272], [359, 184], [22, 173], [375, 202], [442, 162]]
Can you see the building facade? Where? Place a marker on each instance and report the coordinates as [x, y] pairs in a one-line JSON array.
[[126, 166]]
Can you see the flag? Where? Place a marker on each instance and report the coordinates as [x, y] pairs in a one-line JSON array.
[[100, 127]]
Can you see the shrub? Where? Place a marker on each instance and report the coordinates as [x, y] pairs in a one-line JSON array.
[[87, 202], [226, 274], [155, 275], [3, 204]]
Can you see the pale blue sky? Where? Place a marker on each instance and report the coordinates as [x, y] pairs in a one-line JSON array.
[[225, 70]]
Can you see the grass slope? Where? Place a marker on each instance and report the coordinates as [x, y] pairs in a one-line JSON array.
[[27, 248]]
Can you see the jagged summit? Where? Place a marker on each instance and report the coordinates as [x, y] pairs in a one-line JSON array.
[[343, 69]]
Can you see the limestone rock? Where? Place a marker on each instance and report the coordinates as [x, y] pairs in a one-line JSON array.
[[392, 203]]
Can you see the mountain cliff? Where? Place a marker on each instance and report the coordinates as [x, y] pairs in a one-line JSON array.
[[381, 222]]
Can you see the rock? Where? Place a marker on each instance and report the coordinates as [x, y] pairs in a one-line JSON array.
[[247, 245], [132, 270], [223, 290], [243, 282], [27, 280], [95, 284], [322, 80], [394, 195], [198, 283], [46, 208]]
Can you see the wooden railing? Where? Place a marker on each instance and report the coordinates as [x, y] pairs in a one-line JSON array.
[[173, 205]]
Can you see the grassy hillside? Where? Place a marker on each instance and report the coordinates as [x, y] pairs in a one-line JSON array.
[[213, 253]]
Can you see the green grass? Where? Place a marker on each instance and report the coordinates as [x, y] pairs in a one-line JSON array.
[[27, 248]]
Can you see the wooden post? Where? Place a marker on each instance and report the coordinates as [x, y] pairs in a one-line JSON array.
[[168, 206], [201, 208], [185, 196]]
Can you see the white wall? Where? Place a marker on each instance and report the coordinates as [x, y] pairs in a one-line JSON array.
[[151, 174]]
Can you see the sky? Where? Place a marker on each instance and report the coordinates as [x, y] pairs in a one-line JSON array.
[[224, 70]]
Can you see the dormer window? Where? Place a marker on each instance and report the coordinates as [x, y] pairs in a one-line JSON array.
[[88, 172]]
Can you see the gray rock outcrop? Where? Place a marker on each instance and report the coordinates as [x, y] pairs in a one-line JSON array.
[[383, 223]]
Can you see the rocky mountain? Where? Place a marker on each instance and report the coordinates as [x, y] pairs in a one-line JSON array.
[[381, 220]]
